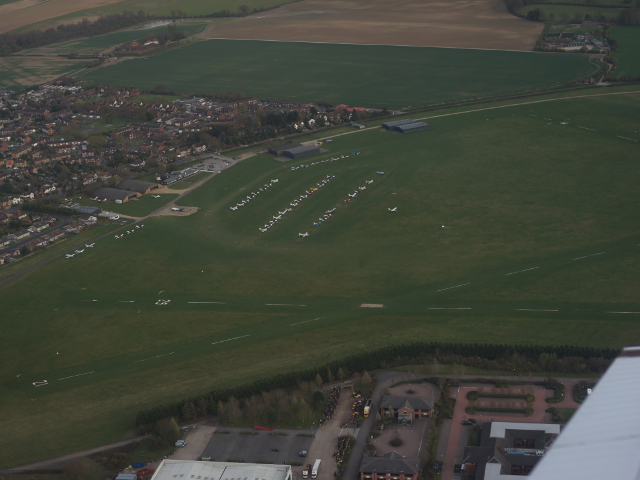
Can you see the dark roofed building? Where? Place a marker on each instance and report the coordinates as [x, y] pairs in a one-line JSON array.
[[137, 186], [390, 466], [115, 194], [405, 409], [412, 127], [508, 450], [86, 210], [278, 149], [301, 151], [392, 125]]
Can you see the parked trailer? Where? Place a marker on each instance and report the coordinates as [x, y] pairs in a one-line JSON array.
[[316, 467]]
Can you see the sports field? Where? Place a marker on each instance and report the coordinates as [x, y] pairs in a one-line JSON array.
[[628, 53], [352, 74], [429, 23], [513, 225]]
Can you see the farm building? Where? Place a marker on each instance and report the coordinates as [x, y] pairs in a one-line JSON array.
[[395, 123], [406, 408], [391, 465], [115, 194], [279, 149], [171, 469], [301, 151], [137, 186], [412, 127], [508, 450]]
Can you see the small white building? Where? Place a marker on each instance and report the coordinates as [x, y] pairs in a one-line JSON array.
[[191, 469]]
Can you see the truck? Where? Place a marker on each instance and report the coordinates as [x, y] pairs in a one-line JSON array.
[[367, 408], [314, 470], [305, 472]]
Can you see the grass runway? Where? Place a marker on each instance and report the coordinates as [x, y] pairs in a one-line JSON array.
[[530, 200]]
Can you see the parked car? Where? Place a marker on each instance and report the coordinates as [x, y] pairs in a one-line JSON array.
[[145, 471], [303, 453], [181, 443]]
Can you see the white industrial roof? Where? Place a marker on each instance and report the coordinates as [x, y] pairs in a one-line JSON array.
[[602, 439], [498, 428], [194, 470]]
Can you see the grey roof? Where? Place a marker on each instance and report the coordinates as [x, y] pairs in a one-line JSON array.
[[602, 438], [394, 466], [395, 123], [136, 186], [302, 149], [412, 403], [285, 146], [190, 469], [412, 127], [113, 194], [88, 210]]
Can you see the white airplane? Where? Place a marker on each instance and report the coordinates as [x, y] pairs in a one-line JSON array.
[[275, 181], [288, 209], [283, 213], [306, 234], [141, 226], [233, 208], [155, 196], [262, 229], [380, 173], [89, 245], [69, 255], [394, 209], [353, 195], [362, 188], [80, 251], [174, 209], [368, 182]]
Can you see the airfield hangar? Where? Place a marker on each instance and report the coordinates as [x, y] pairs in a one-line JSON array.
[[137, 186], [395, 123], [115, 194], [279, 149], [301, 151], [412, 127]]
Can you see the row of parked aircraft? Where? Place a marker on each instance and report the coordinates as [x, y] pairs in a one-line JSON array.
[[254, 195], [129, 232], [295, 203], [324, 161], [78, 251], [327, 215]]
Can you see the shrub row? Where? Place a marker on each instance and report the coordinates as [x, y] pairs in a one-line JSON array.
[[475, 394]]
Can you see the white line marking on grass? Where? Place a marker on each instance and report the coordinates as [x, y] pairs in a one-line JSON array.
[[585, 128], [220, 303], [306, 321], [372, 305], [627, 138], [592, 255], [88, 300], [158, 356], [449, 288], [229, 339], [520, 271], [283, 305], [126, 301], [449, 308], [534, 310], [72, 376], [623, 312]]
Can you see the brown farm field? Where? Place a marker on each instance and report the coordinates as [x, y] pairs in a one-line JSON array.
[[482, 24]]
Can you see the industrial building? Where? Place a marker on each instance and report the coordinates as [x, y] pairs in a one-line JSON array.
[[115, 194], [279, 149], [187, 470], [395, 123], [301, 151], [412, 127], [174, 177], [391, 465], [508, 450], [137, 186]]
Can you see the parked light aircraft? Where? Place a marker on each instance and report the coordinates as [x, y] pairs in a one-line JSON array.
[[394, 209], [306, 234]]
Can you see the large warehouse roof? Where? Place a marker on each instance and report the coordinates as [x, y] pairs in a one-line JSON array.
[[412, 127], [113, 194], [188, 470], [395, 123], [278, 149], [136, 186]]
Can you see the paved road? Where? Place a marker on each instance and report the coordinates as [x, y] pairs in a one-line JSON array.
[[10, 248]]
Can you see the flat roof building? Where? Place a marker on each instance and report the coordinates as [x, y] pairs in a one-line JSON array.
[[301, 151], [187, 470], [412, 127], [115, 194], [278, 149], [88, 210], [395, 123]]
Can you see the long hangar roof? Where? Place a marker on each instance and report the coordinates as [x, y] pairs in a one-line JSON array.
[[190, 470]]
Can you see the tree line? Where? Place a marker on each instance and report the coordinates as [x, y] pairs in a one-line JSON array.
[[519, 357]]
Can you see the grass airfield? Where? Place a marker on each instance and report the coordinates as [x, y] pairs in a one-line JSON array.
[[540, 204]]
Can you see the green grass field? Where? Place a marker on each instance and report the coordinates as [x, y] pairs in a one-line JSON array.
[[571, 10], [352, 74], [628, 53], [137, 207], [541, 243]]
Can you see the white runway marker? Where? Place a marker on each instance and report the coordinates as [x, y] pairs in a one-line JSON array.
[[88, 300], [306, 321], [585, 128], [624, 312], [520, 271], [229, 339], [592, 255], [126, 301], [219, 303], [449, 288], [158, 356], [73, 376], [627, 138], [534, 310], [283, 305], [449, 308]]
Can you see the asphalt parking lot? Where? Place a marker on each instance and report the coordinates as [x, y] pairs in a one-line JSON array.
[[257, 448]]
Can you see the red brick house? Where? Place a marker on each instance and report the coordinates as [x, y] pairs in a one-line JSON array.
[[405, 409], [391, 466]]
